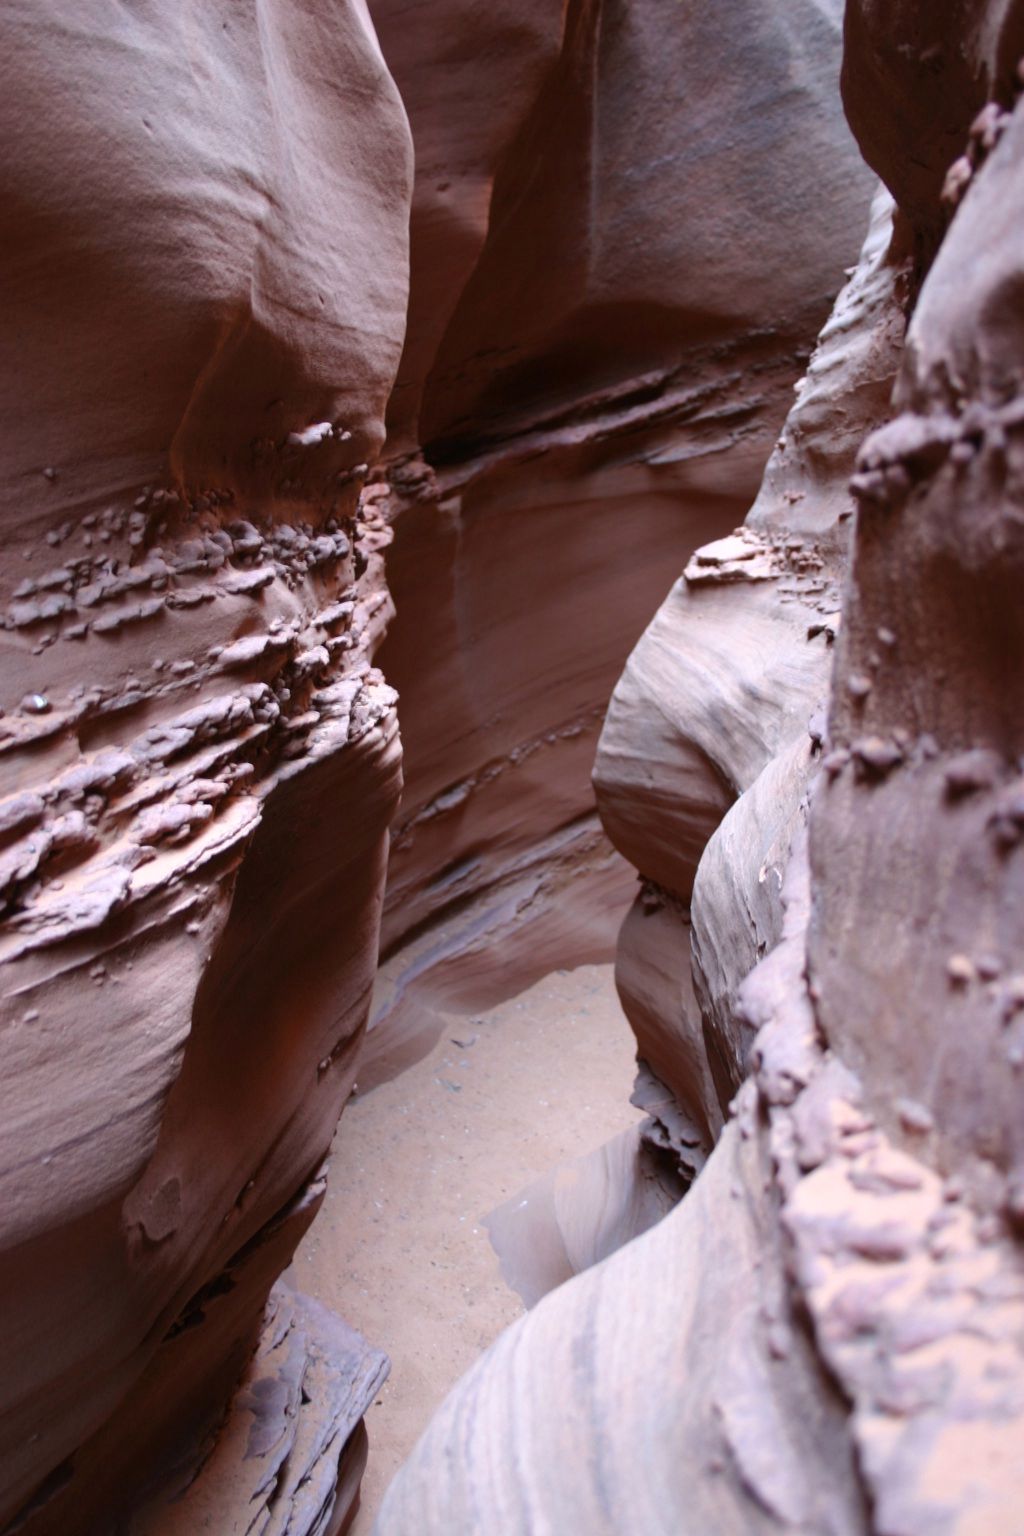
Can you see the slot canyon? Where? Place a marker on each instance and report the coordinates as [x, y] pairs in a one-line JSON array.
[[512, 610]]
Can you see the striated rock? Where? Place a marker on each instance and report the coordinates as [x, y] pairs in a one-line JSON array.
[[598, 358], [677, 1359], [863, 1201], [737, 906], [204, 253], [582, 1211], [690, 1327], [675, 1079], [573, 880], [291, 1456], [201, 761], [723, 695], [627, 223]]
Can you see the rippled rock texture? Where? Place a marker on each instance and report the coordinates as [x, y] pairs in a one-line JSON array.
[[725, 697], [629, 222], [205, 276], [823, 968]]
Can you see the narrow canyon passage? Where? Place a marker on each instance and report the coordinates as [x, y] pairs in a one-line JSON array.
[[487, 489], [418, 1163]]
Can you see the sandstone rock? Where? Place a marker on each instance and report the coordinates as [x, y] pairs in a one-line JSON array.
[[948, 688], [599, 356], [914, 79], [868, 1177], [628, 221], [678, 1358], [579, 1213], [204, 251], [723, 693], [292, 1452]]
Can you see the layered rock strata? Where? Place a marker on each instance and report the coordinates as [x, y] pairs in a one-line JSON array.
[[205, 274], [204, 269], [294, 1448], [628, 223], [725, 694], [825, 1334]]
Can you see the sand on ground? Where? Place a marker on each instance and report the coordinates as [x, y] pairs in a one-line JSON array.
[[398, 1247]]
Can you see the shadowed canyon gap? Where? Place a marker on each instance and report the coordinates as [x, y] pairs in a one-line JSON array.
[[370, 376]]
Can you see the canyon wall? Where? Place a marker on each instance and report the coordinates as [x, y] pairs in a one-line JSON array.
[[823, 966], [628, 223], [205, 276], [207, 271]]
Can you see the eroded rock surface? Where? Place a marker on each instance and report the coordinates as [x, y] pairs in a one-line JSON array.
[[724, 696], [204, 273], [293, 1451], [845, 1354], [628, 224]]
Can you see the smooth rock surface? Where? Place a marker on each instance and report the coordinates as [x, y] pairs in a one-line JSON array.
[[629, 221], [863, 1201], [724, 695]]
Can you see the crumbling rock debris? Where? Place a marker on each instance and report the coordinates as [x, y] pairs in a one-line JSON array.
[[743, 556], [292, 1449], [205, 248]]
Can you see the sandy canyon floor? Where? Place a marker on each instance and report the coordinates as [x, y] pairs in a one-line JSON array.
[[399, 1247]]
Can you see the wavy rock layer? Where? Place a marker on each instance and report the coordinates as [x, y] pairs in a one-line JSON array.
[[825, 1334], [724, 695], [204, 269], [599, 356], [614, 283]]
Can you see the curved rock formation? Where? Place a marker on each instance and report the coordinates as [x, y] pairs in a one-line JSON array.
[[715, 699], [204, 269], [627, 223], [724, 694], [201, 761], [825, 1334], [600, 353], [914, 77]]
